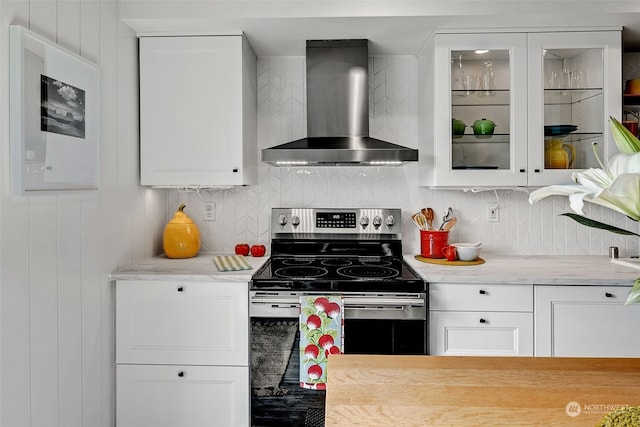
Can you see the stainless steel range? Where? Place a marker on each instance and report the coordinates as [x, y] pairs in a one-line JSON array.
[[356, 253]]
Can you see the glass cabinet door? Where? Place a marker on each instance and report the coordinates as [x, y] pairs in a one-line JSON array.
[[575, 86], [481, 119]]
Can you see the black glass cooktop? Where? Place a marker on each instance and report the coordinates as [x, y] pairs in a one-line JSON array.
[[389, 274]]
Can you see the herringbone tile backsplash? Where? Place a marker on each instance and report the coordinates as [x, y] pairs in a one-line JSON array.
[[242, 214]]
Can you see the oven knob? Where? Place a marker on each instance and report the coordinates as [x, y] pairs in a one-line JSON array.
[[390, 221], [295, 220], [377, 221], [364, 221], [282, 220]]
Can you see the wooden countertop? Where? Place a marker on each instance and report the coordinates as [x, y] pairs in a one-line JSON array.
[[364, 390]]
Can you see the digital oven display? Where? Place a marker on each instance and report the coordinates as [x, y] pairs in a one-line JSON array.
[[336, 220]]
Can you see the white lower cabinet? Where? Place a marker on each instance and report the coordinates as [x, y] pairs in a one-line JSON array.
[[480, 320], [500, 319], [190, 396], [585, 321], [182, 353]]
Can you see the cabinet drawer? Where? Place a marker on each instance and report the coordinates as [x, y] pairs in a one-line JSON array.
[[181, 396], [480, 333], [191, 323], [476, 297]]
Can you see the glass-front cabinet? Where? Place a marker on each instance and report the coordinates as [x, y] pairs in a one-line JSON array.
[[575, 86], [519, 109]]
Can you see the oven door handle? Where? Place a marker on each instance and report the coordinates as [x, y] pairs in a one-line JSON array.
[[375, 302], [349, 302]]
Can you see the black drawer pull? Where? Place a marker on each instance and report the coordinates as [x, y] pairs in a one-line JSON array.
[[536, 170], [608, 295], [483, 292], [180, 289], [523, 170], [181, 374], [483, 320]]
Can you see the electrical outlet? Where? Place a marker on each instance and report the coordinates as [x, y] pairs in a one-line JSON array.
[[493, 214], [209, 211]]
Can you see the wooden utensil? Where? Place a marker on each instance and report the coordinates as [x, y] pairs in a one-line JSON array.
[[419, 220], [430, 215], [422, 221]]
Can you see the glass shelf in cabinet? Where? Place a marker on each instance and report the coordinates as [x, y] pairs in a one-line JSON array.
[[496, 138], [462, 98], [578, 137], [570, 96]]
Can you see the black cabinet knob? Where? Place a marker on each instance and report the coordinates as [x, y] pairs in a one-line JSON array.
[[523, 170], [180, 289], [608, 295], [536, 170], [181, 374], [483, 320], [483, 292], [235, 170]]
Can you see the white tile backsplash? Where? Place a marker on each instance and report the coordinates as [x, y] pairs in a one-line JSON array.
[[242, 213]]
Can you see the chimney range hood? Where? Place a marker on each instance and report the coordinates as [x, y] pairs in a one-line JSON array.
[[338, 113]]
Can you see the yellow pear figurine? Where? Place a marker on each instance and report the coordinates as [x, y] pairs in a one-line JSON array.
[[181, 237]]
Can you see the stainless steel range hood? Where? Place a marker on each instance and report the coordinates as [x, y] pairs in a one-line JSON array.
[[338, 113]]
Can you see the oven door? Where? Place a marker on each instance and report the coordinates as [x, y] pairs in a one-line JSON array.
[[375, 323]]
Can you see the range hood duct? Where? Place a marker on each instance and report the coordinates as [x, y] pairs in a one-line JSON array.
[[338, 113]]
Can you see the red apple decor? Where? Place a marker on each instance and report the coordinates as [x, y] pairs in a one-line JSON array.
[[258, 250], [321, 334], [242, 249], [255, 250]]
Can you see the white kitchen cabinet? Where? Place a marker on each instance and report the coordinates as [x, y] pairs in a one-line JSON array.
[[574, 79], [480, 320], [182, 353], [516, 80], [585, 321], [176, 395], [198, 111]]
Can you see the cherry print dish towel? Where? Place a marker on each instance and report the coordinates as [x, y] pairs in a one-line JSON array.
[[321, 334]]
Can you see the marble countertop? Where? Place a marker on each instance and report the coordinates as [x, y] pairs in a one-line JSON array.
[[516, 269], [533, 269], [199, 268]]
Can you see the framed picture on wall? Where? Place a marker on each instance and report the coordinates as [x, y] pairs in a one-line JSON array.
[[54, 116]]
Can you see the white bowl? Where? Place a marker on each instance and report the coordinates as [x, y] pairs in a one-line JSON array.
[[467, 251]]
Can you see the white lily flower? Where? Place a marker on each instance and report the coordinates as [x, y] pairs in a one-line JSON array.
[[617, 187]]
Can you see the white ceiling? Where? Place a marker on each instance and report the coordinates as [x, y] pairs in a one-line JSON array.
[[280, 27]]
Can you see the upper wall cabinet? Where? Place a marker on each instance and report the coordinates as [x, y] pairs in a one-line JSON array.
[[517, 109], [198, 111]]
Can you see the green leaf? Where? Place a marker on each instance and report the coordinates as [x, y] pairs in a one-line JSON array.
[[625, 140], [308, 311], [599, 225], [634, 294]]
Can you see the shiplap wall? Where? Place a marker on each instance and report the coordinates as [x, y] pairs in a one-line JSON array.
[[56, 302]]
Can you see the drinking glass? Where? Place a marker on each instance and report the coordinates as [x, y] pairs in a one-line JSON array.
[[469, 83], [578, 79], [487, 80]]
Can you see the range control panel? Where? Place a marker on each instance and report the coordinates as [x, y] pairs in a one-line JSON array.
[[336, 220], [361, 221]]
